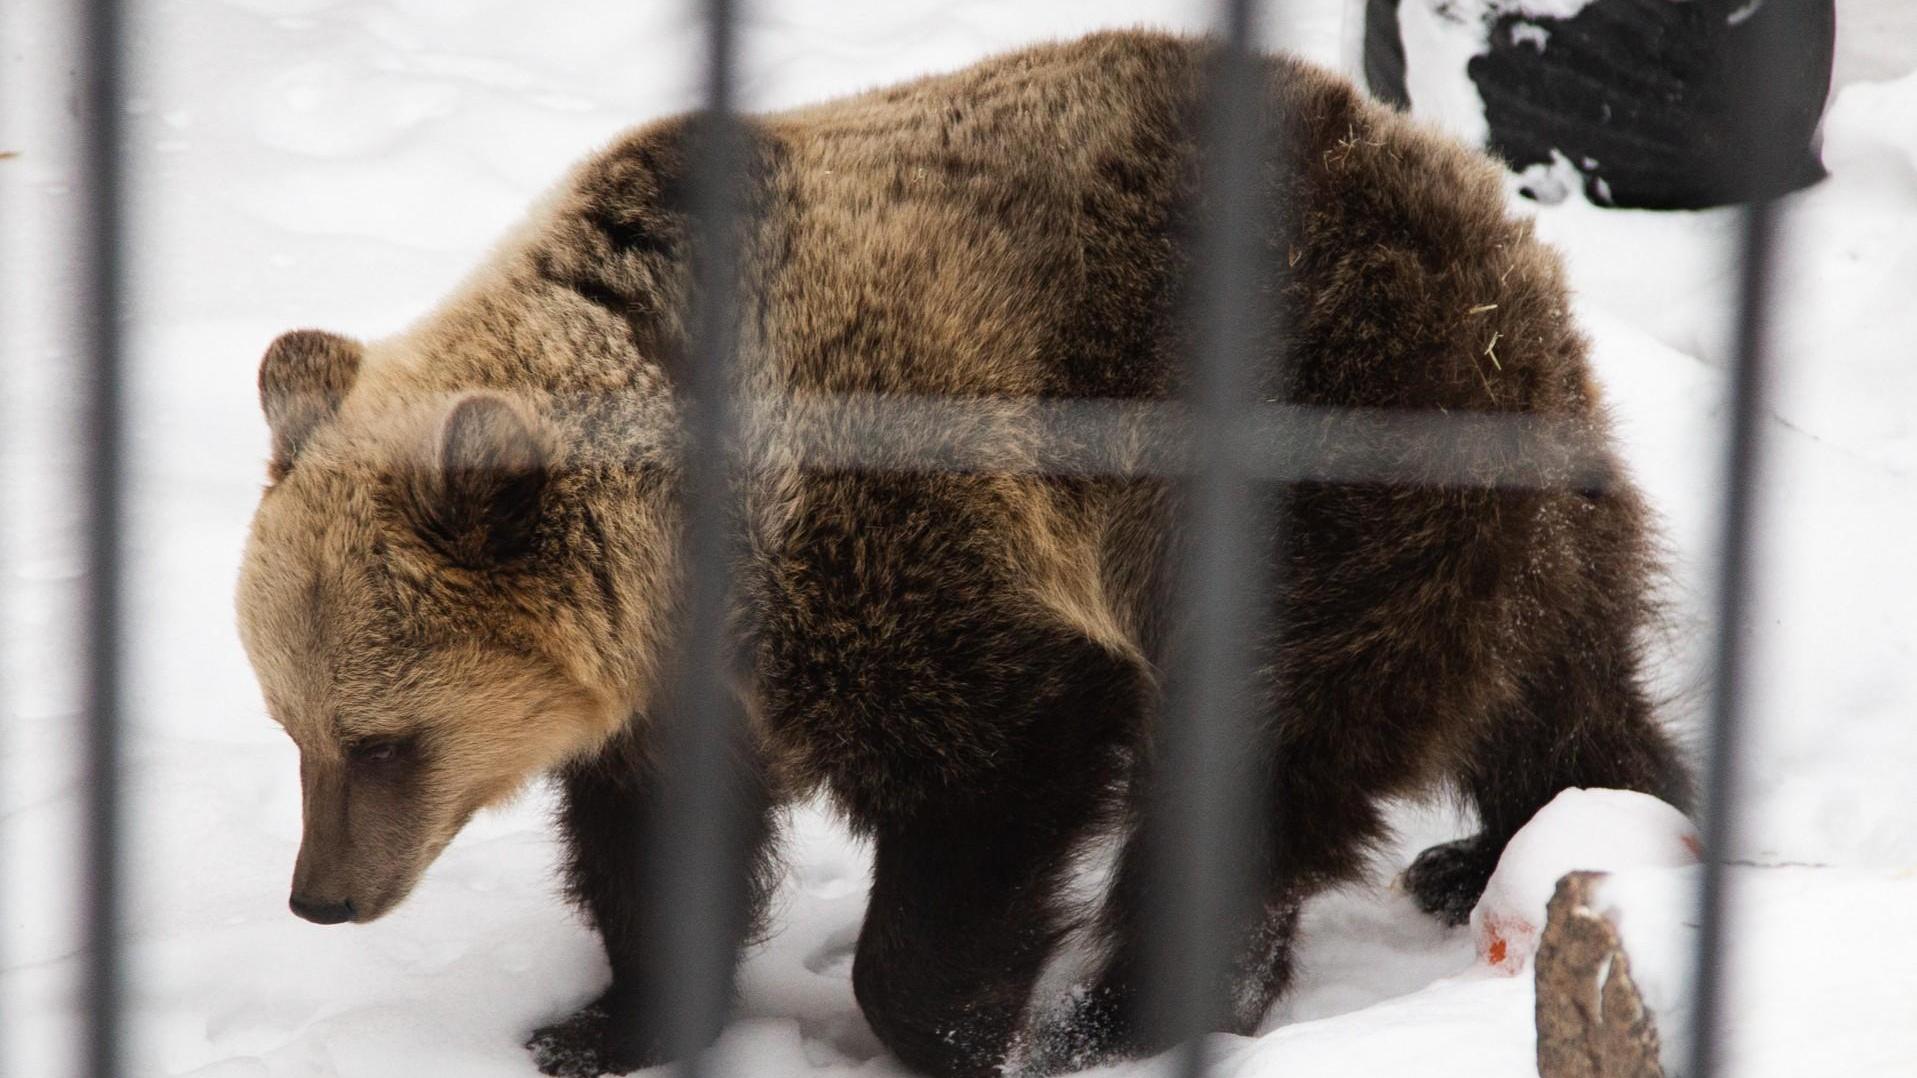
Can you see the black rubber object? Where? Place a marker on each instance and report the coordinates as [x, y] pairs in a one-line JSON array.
[[1639, 95]]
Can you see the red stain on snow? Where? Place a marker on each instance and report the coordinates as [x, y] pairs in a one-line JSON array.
[[1506, 943]]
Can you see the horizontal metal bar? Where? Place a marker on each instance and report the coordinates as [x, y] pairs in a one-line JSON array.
[[1266, 442], [1134, 438]]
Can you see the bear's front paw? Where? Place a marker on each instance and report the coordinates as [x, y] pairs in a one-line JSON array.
[[587, 1045]]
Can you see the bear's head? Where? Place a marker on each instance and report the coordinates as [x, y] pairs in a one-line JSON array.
[[441, 599]]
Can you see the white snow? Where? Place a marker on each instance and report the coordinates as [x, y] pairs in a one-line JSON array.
[[342, 163], [1819, 952], [1873, 40]]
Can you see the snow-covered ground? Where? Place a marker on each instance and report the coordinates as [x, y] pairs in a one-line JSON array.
[[340, 163]]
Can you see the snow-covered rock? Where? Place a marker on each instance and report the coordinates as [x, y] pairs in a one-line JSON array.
[[1580, 830]]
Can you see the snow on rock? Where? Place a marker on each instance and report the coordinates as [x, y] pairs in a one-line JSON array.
[[1580, 830]]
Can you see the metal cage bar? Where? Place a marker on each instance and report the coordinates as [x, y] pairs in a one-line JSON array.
[[1725, 729], [1206, 806], [1268, 443], [99, 310], [1766, 86], [702, 832]]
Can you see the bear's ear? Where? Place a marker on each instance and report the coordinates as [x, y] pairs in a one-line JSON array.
[[477, 500], [303, 378]]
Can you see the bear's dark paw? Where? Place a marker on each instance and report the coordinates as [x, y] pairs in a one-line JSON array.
[[1446, 881], [1093, 1028], [586, 1045]]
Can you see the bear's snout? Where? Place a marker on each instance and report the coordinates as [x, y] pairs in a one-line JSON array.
[[321, 911]]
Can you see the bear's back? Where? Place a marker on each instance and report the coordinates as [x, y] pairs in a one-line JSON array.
[[1024, 227], [1009, 229]]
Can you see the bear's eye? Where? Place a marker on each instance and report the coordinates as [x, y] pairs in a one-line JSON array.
[[381, 750]]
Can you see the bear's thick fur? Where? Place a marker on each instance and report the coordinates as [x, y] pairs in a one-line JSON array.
[[466, 570]]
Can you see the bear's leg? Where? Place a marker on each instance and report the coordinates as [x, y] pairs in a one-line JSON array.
[[963, 909], [1106, 1022], [610, 803], [971, 848], [1586, 722], [959, 924], [1326, 822]]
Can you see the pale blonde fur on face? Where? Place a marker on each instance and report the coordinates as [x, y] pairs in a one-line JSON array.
[[360, 633]]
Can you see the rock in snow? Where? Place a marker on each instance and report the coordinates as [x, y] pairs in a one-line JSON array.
[[1592, 1020]]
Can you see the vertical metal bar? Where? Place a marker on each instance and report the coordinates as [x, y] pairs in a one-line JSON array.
[[99, 311], [1766, 87], [1749, 374], [1209, 811], [703, 834]]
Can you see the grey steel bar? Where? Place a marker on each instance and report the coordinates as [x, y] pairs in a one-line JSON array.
[[1749, 374], [1208, 811], [99, 310], [1726, 725], [1269, 442], [703, 834], [1764, 89], [1272, 443]]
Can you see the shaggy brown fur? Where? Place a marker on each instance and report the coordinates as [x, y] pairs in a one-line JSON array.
[[465, 572]]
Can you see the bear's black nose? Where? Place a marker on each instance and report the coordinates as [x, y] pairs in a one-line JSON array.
[[322, 913]]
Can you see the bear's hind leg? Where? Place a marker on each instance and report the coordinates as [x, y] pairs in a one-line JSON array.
[[1106, 1022], [965, 904], [1321, 827], [958, 927], [1585, 723]]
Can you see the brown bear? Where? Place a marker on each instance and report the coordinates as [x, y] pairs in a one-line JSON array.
[[465, 572]]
